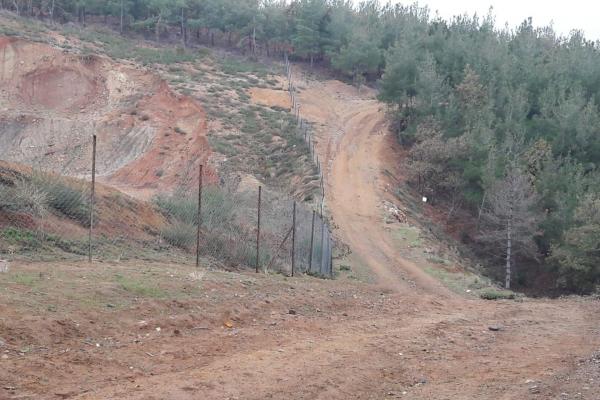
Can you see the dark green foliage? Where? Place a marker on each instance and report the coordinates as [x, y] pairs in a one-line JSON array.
[[578, 255], [518, 101], [494, 294]]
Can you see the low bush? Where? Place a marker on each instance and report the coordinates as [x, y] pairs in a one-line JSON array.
[[64, 197], [180, 234], [496, 294], [23, 197]]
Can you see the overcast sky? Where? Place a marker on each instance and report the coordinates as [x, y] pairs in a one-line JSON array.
[[565, 14]]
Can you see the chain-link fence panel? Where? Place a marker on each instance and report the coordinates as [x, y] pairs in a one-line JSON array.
[[45, 210]]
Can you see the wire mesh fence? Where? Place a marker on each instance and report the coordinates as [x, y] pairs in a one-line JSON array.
[[44, 214]]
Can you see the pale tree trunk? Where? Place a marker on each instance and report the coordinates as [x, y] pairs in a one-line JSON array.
[[52, 13], [312, 57], [183, 41], [508, 249], [157, 31], [16, 7], [481, 209], [254, 35], [121, 21]]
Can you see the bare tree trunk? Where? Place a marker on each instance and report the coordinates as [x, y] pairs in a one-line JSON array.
[[254, 35], [121, 21], [157, 28], [183, 38], [481, 208], [16, 6], [312, 57], [508, 249], [52, 13], [453, 206]]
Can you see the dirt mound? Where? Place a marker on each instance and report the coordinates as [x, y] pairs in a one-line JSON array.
[[149, 138]]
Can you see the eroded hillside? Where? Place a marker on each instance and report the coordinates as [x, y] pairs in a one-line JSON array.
[[53, 101]]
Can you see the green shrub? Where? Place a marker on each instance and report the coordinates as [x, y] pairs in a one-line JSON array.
[[178, 206], [64, 197], [22, 237], [496, 294], [222, 146], [182, 206], [25, 197], [180, 234]]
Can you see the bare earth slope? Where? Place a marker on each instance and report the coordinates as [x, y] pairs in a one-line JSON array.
[[52, 100]]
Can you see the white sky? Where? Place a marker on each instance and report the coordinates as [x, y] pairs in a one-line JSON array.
[[564, 15]]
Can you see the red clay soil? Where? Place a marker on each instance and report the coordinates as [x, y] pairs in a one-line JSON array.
[[149, 138], [270, 97], [178, 148], [160, 331]]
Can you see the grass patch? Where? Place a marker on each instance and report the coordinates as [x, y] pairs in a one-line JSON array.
[[139, 288], [409, 235], [222, 146], [438, 260], [118, 47], [22, 237], [233, 66], [25, 279]]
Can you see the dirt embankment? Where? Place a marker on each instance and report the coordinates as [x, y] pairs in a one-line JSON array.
[[51, 101]]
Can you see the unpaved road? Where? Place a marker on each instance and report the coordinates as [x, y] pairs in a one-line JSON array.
[[403, 336]]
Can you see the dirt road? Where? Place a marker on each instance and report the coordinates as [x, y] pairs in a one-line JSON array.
[[243, 336]]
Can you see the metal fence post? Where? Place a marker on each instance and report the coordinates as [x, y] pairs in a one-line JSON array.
[[322, 244], [92, 197], [330, 256], [199, 217], [294, 237], [258, 230], [312, 240]]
